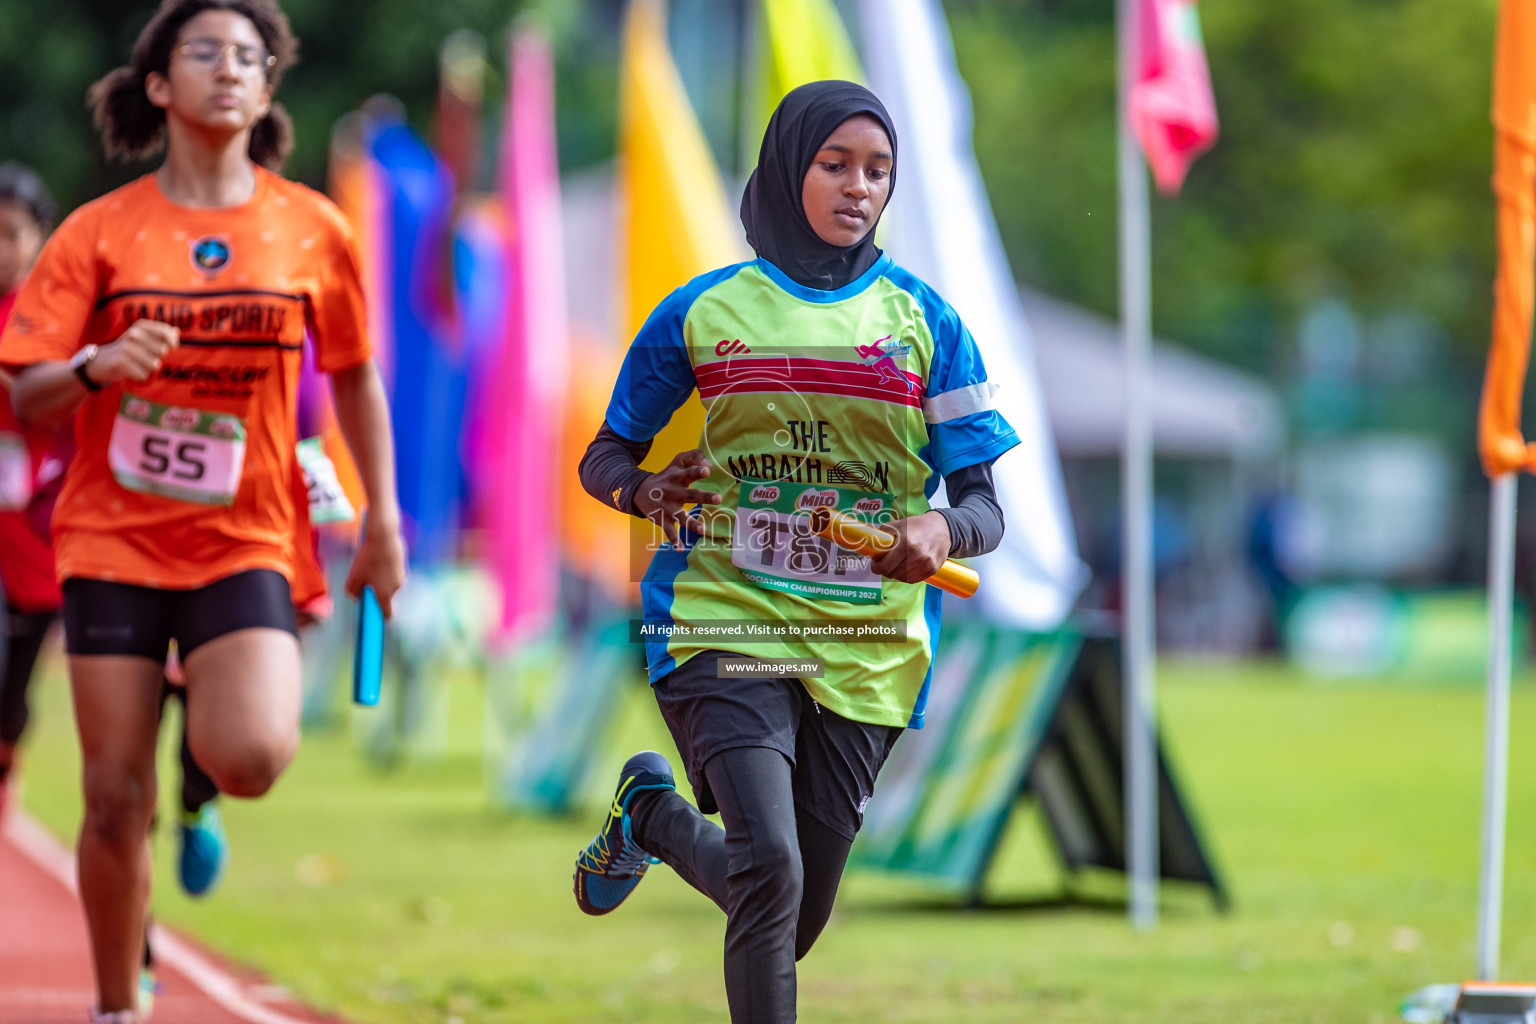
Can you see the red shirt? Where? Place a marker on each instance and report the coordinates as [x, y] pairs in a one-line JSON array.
[[32, 464]]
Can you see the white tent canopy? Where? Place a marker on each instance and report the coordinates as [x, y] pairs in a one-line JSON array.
[[1200, 408]]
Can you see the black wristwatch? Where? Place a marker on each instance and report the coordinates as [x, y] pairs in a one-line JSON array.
[[80, 361]]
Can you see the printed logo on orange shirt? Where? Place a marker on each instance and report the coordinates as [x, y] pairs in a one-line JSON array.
[[210, 254]]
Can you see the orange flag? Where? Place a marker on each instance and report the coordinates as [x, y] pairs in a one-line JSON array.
[[1500, 442]]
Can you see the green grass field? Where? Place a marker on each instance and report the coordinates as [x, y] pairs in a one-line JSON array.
[[1344, 818]]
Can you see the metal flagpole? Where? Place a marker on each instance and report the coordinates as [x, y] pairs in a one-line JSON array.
[[1501, 586], [1136, 504]]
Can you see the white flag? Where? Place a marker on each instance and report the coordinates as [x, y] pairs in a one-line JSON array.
[[940, 227]]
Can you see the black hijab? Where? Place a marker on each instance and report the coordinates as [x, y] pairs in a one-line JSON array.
[[771, 208]]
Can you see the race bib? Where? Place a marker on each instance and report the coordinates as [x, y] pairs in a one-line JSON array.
[[773, 546], [327, 501], [15, 473], [177, 452]]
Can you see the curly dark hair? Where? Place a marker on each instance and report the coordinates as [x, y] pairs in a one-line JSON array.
[[132, 127]]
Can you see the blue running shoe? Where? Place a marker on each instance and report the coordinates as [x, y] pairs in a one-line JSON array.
[[204, 850], [148, 989], [608, 870]]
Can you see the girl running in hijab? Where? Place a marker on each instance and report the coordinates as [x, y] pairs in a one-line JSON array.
[[170, 315], [798, 416]]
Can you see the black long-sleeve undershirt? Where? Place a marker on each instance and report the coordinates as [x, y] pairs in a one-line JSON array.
[[610, 472], [974, 516]]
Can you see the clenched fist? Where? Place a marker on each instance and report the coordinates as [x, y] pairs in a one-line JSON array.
[[136, 355]]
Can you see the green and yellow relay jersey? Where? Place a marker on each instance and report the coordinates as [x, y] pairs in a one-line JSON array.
[[859, 399]]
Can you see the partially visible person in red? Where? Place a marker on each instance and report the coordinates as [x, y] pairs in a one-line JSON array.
[[32, 465]]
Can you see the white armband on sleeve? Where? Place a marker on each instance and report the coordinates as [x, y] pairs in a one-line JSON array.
[[951, 405]]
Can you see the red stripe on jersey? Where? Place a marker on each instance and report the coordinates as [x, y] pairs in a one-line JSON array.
[[778, 374]]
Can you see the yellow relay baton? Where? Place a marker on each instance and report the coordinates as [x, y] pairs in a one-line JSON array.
[[857, 535]]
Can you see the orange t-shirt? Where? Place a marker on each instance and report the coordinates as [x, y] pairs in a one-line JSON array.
[[187, 478]]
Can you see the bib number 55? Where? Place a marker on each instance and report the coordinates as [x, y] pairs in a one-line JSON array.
[[179, 453], [180, 460]]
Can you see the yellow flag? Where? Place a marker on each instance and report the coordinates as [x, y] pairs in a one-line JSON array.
[[595, 538], [802, 41], [678, 223]]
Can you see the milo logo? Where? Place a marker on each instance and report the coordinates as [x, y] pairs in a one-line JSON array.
[[811, 498], [869, 505], [137, 409], [764, 493], [224, 426], [179, 419]]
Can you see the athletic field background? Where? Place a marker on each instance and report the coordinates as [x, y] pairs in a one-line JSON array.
[[1344, 818]]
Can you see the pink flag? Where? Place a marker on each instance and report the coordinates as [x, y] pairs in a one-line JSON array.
[[522, 425], [1172, 110]]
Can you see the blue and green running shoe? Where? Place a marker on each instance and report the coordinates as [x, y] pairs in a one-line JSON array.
[[204, 850], [608, 870], [148, 989]]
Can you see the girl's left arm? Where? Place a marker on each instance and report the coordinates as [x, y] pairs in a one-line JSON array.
[[972, 525], [362, 412], [975, 519]]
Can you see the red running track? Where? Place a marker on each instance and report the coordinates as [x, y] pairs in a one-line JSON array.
[[45, 962]]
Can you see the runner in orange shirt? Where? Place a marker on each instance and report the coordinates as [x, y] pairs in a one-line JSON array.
[[171, 314], [32, 464]]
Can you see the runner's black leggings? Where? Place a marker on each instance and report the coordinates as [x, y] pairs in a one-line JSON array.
[[24, 633], [197, 788], [773, 869]]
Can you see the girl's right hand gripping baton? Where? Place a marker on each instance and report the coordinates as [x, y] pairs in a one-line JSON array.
[[857, 535]]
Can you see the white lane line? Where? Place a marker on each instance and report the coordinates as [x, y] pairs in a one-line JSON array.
[[41, 848], [214, 982]]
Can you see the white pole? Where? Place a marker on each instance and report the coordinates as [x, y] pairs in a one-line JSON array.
[[1501, 589], [1136, 573]]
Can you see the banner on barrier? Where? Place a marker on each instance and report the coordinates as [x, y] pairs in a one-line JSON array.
[[1014, 715]]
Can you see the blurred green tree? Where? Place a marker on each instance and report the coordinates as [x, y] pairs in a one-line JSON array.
[[51, 50], [1354, 163]]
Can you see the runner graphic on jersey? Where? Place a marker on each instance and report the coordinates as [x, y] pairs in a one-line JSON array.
[[884, 360]]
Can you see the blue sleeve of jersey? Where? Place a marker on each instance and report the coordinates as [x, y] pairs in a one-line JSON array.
[[970, 438], [657, 376], [973, 438]]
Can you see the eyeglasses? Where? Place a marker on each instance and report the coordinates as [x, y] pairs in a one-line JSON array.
[[208, 54]]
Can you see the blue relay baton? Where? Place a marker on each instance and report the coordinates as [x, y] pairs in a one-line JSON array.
[[368, 654]]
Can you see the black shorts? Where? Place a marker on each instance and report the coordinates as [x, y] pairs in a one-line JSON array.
[[835, 759], [122, 618]]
